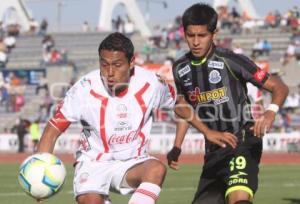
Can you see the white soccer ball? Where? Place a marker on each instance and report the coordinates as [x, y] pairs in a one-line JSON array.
[[42, 175]]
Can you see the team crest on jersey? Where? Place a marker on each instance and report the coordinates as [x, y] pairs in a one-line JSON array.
[[214, 77], [184, 70], [215, 64], [122, 122]]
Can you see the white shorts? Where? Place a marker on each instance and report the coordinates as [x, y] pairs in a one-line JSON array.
[[102, 177]]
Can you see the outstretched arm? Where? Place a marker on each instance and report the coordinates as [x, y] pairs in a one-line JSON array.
[[48, 138], [279, 92]]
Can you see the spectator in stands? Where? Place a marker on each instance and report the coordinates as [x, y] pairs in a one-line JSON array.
[[289, 54], [297, 51], [292, 102], [238, 49], [55, 56], [296, 12], [43, 84], [47, 44], [266, 47], [234, 13], [35, 133], [19, 101], [3, 47], [43, 27], [2, 32], [257, 49], [21, 129], [3, 59], [270, 20], [10, 42], [120, 24], [33, 25], [5, 97], [129, 27], [45, 107], [278, 18]]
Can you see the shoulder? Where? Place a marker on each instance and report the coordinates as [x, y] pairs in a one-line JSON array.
[[86, 81], [181, 62], [231, 57], [145, 76]]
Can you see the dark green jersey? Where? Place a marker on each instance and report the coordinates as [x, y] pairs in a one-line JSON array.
[[216, 87]]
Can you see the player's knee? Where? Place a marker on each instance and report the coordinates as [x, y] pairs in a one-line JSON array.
[[157, 169], [90, 199], [243, 202]]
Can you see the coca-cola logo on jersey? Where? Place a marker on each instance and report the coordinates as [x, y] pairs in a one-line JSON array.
[[123, 139]]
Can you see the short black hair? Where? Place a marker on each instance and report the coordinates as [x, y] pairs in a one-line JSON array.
[[200, 14], [118, 42]]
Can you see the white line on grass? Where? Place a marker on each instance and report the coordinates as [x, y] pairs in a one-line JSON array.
[[8, 194]]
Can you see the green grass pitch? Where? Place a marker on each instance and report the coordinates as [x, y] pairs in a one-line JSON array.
[[279, 184]]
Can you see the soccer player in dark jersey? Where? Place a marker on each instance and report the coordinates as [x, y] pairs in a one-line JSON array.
[[211, 84]]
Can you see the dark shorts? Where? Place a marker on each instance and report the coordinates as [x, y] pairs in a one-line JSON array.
[[227, 170]]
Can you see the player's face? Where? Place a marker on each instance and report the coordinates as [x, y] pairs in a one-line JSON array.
[[199, 40], [115, 69]]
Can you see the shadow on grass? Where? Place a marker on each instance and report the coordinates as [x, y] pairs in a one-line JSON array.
[[292, 200]]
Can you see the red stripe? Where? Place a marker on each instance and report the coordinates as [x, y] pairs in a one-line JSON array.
[[104, 101], [142, 135], [139, 97], [147, 193], [102, 124], [99, 156], [59, 121], [142, 104], [172, 91]]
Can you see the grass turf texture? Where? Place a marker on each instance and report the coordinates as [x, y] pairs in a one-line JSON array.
[[279, 184]]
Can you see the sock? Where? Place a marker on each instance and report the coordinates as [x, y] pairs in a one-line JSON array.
[[146, 193]]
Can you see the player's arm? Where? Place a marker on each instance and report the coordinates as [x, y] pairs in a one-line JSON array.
[[173, 155], [279, 92], [48, 139], [186, 112]]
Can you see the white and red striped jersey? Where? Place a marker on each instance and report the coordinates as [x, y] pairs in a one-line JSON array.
[[116, 127]]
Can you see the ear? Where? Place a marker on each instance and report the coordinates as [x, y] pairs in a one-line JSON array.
[[215, 34], [132, 62]]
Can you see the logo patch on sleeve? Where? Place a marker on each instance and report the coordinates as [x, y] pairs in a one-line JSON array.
[[259, 75], [215, 64], [184, 70]]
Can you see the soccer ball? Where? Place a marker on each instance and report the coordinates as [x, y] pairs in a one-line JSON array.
[[42, 175]]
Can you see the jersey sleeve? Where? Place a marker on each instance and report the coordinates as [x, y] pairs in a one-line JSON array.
[[177, 81], [247, 70], [69, 109], [164, 95], [73, 103]]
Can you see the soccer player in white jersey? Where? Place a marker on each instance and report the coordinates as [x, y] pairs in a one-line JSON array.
[[114, 105]]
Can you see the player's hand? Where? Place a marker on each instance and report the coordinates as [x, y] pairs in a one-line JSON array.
[[221, 138], [263, 124], [173, 156]]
